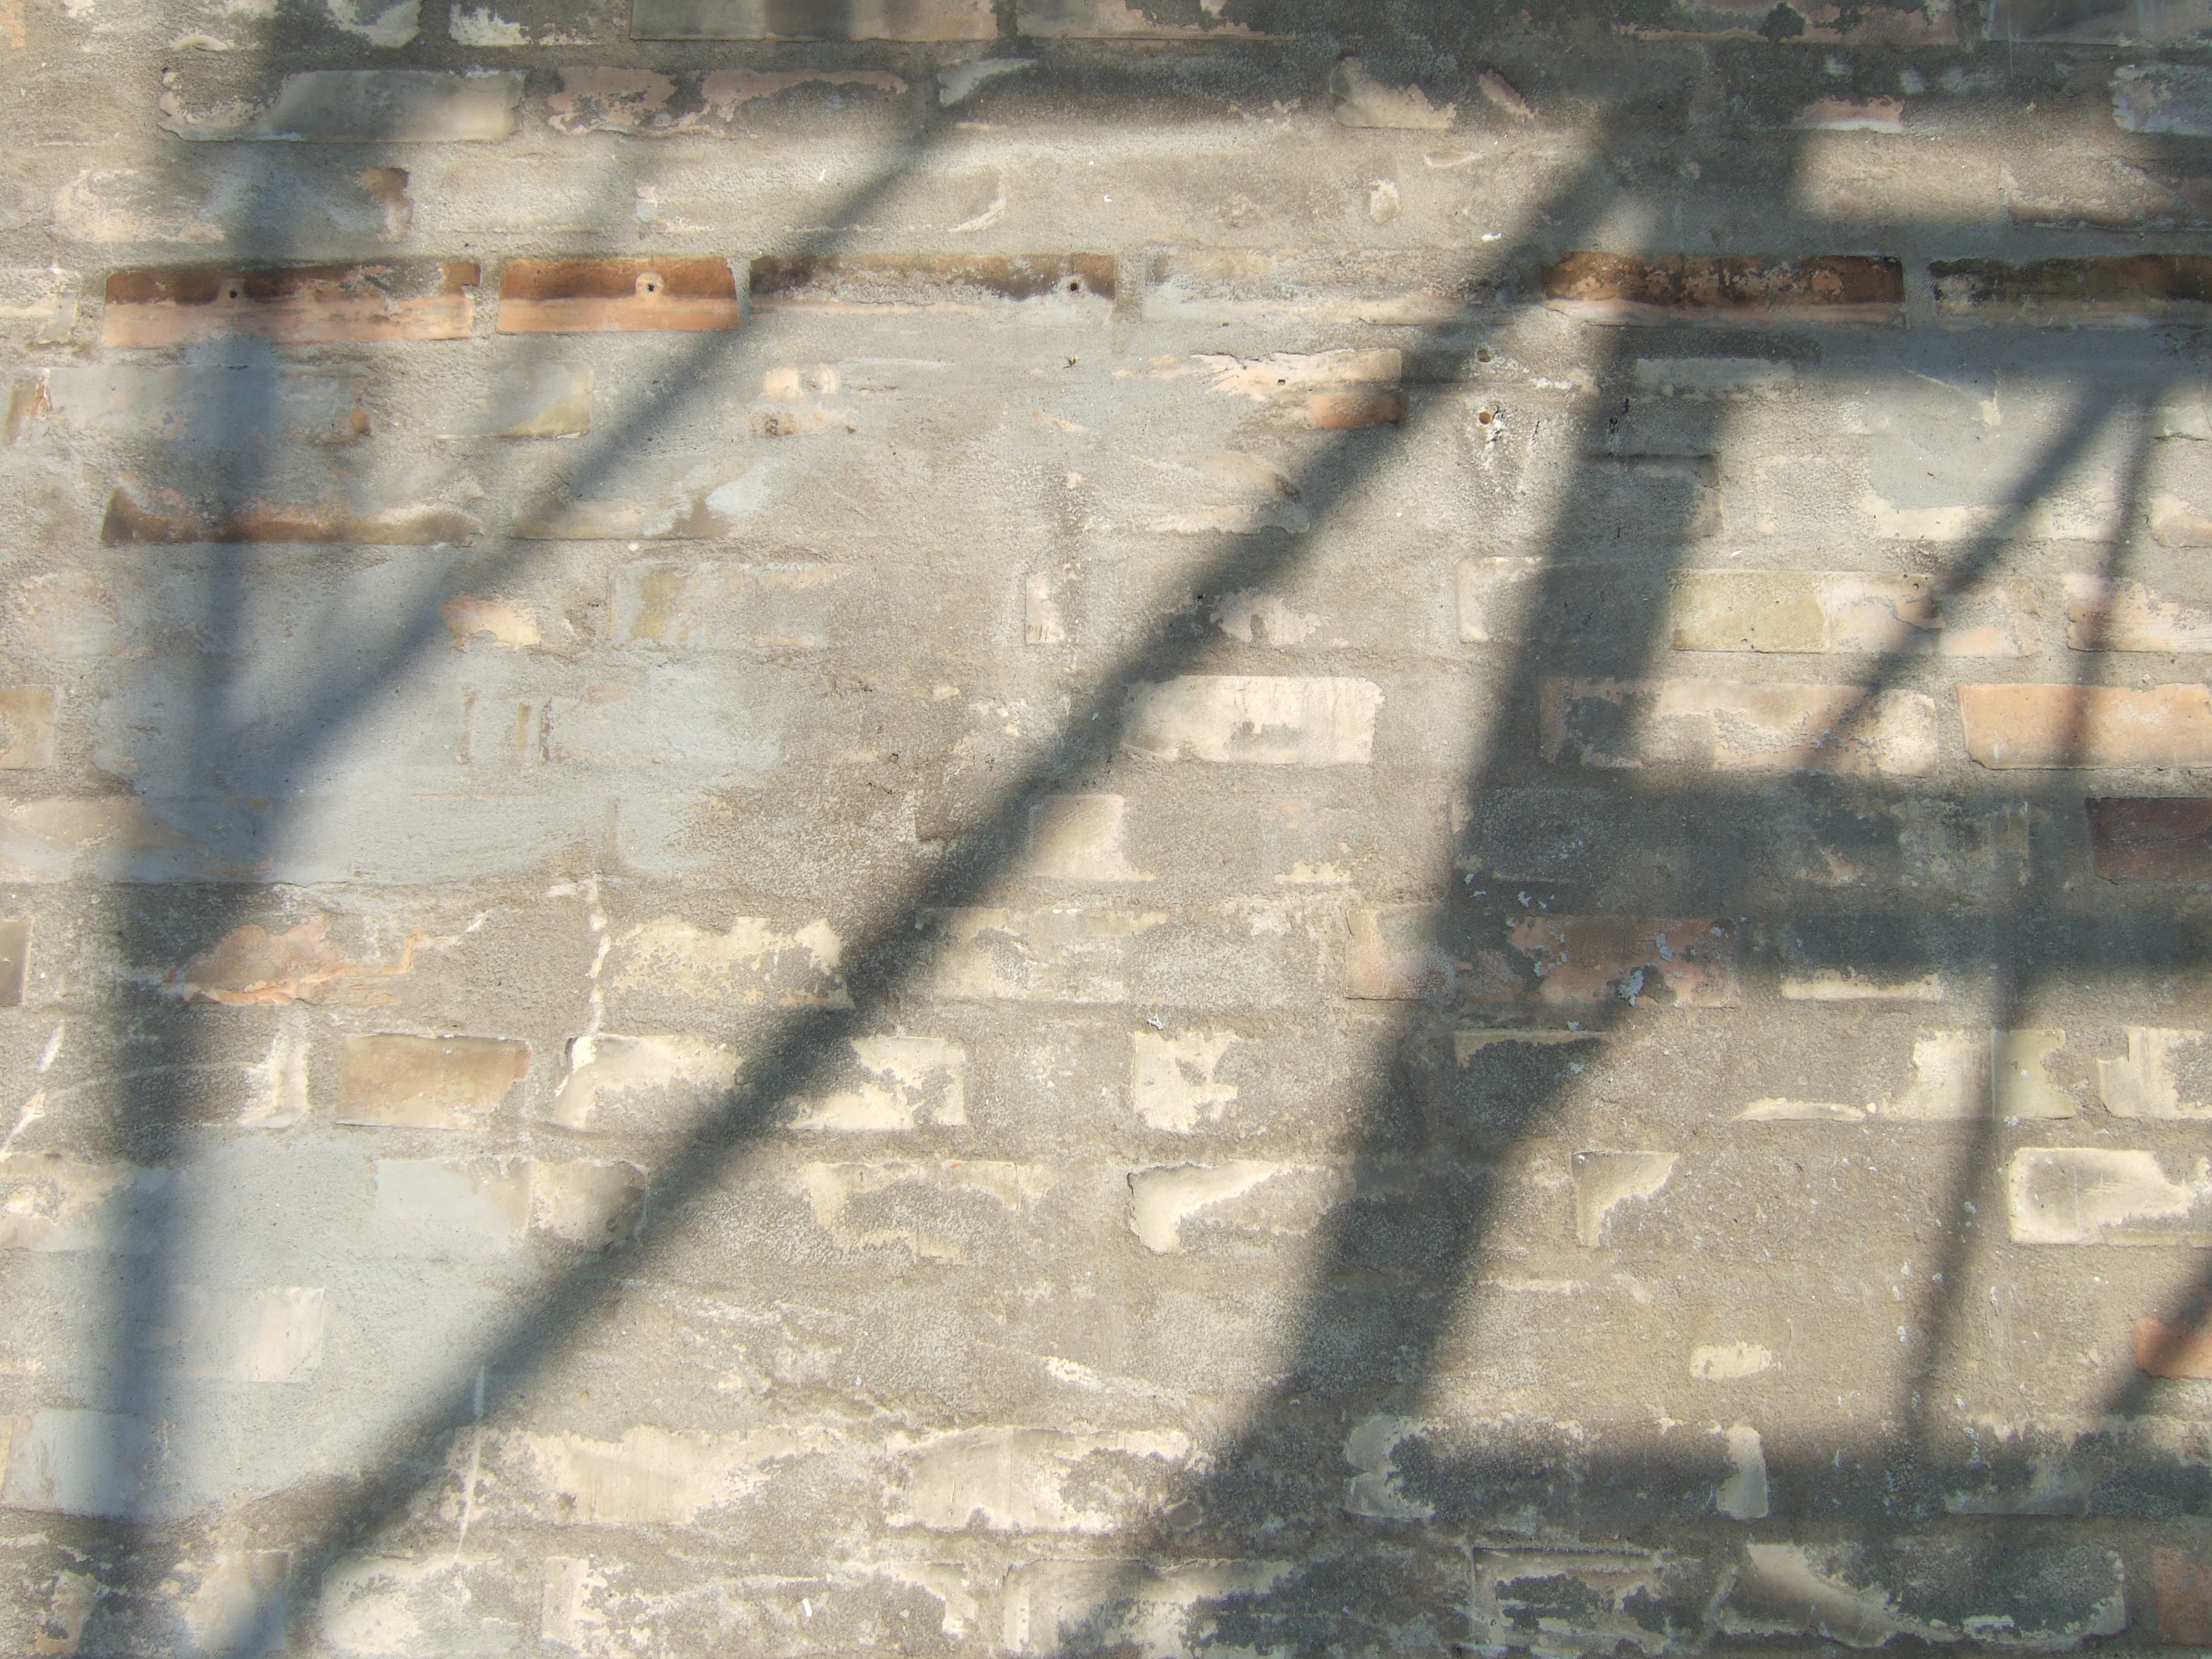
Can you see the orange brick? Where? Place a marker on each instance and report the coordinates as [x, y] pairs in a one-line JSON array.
[[2016, 727], [294, 305], [427, 1083], [677, 295], [2114, 288], [1626, 287]]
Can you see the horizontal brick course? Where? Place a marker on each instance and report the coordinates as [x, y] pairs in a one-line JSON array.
[[2136, 288], [1625, 288], [2165, 839], [300, 305], [366, 106], [927, 282], [428, 1082], [677, 295], [1844, 611], [814, 20], [1731, 726], [2087, 726]]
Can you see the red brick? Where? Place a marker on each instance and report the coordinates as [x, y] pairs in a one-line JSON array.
[[294, 305], [692, 294], [2136, 287], [2164, 1350], [1626, 287], [2016, 727], [2181, 1587], [170, 522], [926, 282], [2160, 839]]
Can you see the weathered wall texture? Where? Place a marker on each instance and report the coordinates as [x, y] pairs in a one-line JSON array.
[[1066, 827]]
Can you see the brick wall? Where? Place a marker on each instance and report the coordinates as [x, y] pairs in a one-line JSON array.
[[1068, 827]]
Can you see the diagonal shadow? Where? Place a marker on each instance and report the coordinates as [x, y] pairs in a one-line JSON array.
[[1384, 1349]]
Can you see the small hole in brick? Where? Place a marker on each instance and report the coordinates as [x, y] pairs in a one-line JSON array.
[[1482, 354], [233, 292], [649, 283], [1074, 285], [1485, 417]]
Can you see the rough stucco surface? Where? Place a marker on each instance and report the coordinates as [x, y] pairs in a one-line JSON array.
[[1076, 828]]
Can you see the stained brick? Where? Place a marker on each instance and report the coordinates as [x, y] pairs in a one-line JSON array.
[[2175, 98], [2180, 1351], [2010, 727], [723, 606], [2096, 22], [1337, 411], [427, 1083], [2136, 287], [2148, 1082], [2160, 839], [1600, 959], [1340, 285], [1626, 287], [648, 103], [38, 303], [246, 403], [814, 20], [367, 107], [298, 304], [2181, 1591], [1124, 19], [1731, 726], [931, 282], [2100, 1196], [1818, 612], [170, 522], [1255, 719], [1398, 953], [27, 727], [1363, 101], [676, 293], [523, 400], [2103, 615], [14, 960], [1887, 23], [1603, 1182]]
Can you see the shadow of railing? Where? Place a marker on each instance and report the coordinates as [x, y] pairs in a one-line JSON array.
[[1386, 1303]]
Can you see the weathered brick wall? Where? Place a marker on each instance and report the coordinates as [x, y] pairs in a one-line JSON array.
[[1104, 826]]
